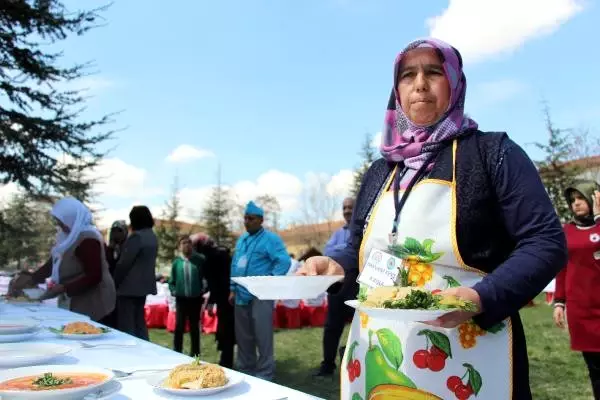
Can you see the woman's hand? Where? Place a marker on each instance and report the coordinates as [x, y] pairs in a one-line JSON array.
[[455, 318], [596, 201], [232, 298], [18, 283], [52, 292], [559, 317], [320, 265]]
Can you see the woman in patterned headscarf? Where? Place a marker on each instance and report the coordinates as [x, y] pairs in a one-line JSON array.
[[459, 211]]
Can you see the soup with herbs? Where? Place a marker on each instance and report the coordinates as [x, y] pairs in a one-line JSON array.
[[50, 381]]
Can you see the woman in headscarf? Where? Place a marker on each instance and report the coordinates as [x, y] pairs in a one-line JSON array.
[[578, 283], [116, 240], [460, 211], [135, 273], [78, 268]]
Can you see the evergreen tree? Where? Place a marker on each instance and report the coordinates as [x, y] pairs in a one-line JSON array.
[[216, 215], [26, 231], [368, 155], [555, 170], [169, 230], [41, 114]]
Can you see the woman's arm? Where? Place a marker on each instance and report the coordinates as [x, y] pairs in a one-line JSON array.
[[531, 220], [88, 252], [43, 272], [347, 256]]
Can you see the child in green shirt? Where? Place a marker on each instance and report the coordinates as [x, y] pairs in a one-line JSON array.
[[186, 284]]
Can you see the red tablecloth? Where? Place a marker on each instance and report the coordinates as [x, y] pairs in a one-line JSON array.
[[156, 315], [159, 316]]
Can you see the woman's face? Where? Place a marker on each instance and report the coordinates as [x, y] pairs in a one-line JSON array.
[[423, 87], [62, 226], [117, 235], [579, 204]]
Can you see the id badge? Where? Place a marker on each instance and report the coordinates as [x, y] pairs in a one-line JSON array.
[[242, 262], [381, 269]]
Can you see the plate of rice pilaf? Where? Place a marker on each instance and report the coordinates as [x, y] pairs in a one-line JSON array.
[[80, 330]]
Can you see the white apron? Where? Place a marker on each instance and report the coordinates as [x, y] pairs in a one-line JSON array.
[[399, 360]]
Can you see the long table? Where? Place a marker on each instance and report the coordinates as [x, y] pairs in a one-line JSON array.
[[139, 355]]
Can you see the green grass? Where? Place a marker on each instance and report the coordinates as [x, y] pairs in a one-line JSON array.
[[556, 372]]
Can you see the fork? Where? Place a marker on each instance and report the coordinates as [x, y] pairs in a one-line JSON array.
[[123, 374], [91, 346]]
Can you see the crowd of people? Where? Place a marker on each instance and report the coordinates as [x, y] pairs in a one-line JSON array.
[[473, 198]]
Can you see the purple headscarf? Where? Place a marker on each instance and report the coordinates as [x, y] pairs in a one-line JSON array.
[[404, 141]]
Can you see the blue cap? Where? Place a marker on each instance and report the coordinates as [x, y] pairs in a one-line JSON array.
[[253, 209]]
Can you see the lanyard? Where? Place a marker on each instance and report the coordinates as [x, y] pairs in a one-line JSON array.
[[399, 203], [254, 242]]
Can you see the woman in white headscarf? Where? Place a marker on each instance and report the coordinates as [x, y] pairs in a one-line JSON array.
[[78, 270]]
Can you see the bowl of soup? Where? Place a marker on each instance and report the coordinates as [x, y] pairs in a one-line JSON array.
[[49, 382]]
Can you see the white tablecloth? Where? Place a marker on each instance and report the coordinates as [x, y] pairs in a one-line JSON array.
[[144, 355]]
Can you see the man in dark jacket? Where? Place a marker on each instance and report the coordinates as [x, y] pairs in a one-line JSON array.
[[217, 273]]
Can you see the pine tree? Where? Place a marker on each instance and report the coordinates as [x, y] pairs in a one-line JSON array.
[[41, 113], [368, 155], [169, 231], [555, 170], [216, 215], [26, 232]]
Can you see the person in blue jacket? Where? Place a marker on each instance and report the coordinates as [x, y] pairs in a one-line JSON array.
[[258, 252]]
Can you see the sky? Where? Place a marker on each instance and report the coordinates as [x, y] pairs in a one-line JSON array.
[[281, 93]]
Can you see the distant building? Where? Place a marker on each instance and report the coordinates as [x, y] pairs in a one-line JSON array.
[[299, 238], [590, 167]]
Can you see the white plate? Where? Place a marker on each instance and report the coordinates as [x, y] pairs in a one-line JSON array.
[[288, 287], [156, 382], [80, 336], [19, 337], [14, 355], [24, 303], [60, 394], [34, 293], [105, 392], [12, 326], [397, 314]]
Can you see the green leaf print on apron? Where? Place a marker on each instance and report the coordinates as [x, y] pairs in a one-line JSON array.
[[404, 360]]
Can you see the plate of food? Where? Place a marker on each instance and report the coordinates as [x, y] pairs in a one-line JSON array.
[[13, 326], [52, 382], [80, 330], [287, 287], [21, 300], [409, 304], [34, 293], [18, 337], [14, 355], [195, 379]]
